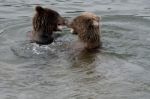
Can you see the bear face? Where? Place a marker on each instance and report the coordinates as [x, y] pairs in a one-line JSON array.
[[87, 27], [45, 22]]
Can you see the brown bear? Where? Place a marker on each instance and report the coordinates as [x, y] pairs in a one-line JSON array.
[[87, 27], [45, 22]]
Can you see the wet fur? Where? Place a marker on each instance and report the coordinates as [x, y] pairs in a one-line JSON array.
[[88, 32], [45, 22]]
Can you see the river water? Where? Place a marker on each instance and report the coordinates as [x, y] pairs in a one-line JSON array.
[[120, 70]]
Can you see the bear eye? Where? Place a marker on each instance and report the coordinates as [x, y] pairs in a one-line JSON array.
[[89, 20], [89, 23]]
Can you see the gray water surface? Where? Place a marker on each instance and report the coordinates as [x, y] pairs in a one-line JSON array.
[[120, 70]]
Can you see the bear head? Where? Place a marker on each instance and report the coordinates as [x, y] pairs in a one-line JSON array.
[[45, 22], [87, 27]]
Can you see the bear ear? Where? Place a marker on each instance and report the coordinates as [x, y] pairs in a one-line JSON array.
[[99, 18], [95, 23], [39, 9]]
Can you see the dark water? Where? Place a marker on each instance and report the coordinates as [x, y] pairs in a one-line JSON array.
[[121, 70]]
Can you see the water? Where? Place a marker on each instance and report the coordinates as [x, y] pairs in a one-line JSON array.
[[120, 70]]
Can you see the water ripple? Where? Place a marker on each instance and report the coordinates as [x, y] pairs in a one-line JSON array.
[[120, 70]]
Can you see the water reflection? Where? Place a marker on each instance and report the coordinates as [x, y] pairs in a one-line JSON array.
[[119, 71], [84, 58]]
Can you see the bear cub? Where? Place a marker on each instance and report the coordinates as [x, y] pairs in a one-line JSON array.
[[45, 22], [87, 27]]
